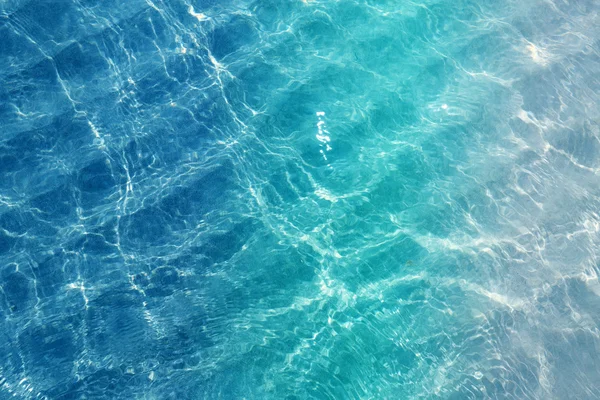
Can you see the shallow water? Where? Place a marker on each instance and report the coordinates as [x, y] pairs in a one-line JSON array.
[[314, 199]]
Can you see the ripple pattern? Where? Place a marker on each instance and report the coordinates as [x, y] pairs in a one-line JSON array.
[[303, 199]]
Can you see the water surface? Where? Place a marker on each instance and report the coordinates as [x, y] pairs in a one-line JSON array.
[[349, 199]]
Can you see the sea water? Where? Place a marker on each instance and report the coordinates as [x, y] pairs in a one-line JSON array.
[[299, 199]]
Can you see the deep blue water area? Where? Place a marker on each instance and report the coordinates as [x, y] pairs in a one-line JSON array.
[[299, 199]]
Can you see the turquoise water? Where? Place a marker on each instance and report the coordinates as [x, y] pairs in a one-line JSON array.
[[315, 199]]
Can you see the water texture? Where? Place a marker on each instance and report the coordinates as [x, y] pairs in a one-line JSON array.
[[286, 199]]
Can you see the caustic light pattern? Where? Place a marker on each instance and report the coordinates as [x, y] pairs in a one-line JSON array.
[[299, 199]]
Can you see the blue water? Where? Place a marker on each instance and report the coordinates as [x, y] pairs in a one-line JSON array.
[[299, 199]]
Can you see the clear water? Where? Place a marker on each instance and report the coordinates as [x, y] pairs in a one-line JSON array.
[[318, 199]]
